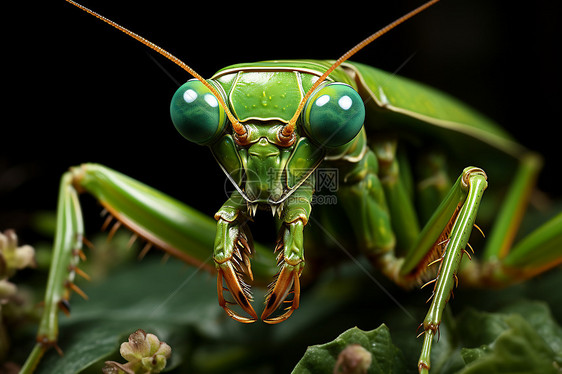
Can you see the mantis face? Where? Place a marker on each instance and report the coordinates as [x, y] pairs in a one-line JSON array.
[[271, 168], [264, 167]]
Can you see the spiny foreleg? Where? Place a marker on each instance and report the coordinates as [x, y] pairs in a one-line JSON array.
[[290, 258], [232, 252]]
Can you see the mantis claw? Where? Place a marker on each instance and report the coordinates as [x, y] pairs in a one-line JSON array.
[[238, 290], [287, 278], [233, 250], [240, 295], [291, 262]]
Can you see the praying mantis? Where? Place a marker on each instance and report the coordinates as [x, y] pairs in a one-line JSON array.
[[422, 362]]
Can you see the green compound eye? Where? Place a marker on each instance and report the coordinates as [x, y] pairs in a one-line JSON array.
[[334, 114], [196, 113]]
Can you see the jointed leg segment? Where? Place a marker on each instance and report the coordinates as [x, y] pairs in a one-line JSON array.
[[179, 230], [233, 249], [232, 258], [291, 262], [473, 180]]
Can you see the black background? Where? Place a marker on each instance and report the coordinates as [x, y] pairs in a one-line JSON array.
[[80, 91]]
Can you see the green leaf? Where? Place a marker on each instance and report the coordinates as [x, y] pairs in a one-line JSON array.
[[88, 344], [519, 349], [386, 358], [164, 299], [523, 338], [539, 316]]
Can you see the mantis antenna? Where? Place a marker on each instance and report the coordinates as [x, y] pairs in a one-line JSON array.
[[286, 134], [238, 128]]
